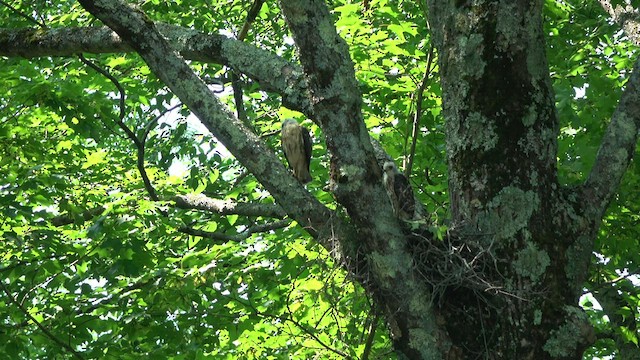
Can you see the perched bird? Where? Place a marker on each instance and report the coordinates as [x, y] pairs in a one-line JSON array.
[[296, 145], [399, 191]]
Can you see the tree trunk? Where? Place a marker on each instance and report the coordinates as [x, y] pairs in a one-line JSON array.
[[526, 238]]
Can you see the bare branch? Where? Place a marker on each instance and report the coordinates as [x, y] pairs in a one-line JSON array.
[[227, 207], [272, 72], [418, 114], [616, 149]]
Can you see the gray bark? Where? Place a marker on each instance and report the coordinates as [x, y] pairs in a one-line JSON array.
[[273, 73], [501, 145]]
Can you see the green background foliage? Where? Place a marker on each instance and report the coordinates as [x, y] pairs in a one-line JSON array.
[[128, 283]]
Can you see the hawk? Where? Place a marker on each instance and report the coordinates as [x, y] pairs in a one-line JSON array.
[[399, 191], [296, 145]]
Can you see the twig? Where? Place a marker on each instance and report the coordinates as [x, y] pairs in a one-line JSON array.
[[67, 219], [289, 317], [112, 296], [251, 17], [235, 78], [309, 332], [42, 328], [418, 113], [23, 15], [237, 98], [120, 121], [152, 123], [372, 333], [30, 261]]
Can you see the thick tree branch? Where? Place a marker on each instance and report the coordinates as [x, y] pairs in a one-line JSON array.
[[333, 90], [272, 72], [228, 207], [356, 175], [620, 139], [171, 68], [616, 150]]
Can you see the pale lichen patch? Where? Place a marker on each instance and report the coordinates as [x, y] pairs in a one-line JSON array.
[[509, 211], [565, 340], [531, 262]]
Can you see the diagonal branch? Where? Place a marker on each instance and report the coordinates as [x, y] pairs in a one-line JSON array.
[[235, 77], [356, 175], [227, 207], [616, 150], [42, 328], [139, 31]]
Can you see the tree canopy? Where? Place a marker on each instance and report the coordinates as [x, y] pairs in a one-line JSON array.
[[147, 209]]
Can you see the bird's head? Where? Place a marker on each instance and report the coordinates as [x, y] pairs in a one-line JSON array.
[[389, 167], [289, 122]]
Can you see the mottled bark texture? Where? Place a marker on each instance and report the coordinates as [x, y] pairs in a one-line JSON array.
[[501, 128], [356, 181], [273, 73]]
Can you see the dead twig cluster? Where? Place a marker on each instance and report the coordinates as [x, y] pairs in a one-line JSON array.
[[458, 262]]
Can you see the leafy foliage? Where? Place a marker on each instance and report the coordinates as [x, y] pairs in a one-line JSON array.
[[120, 279]]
